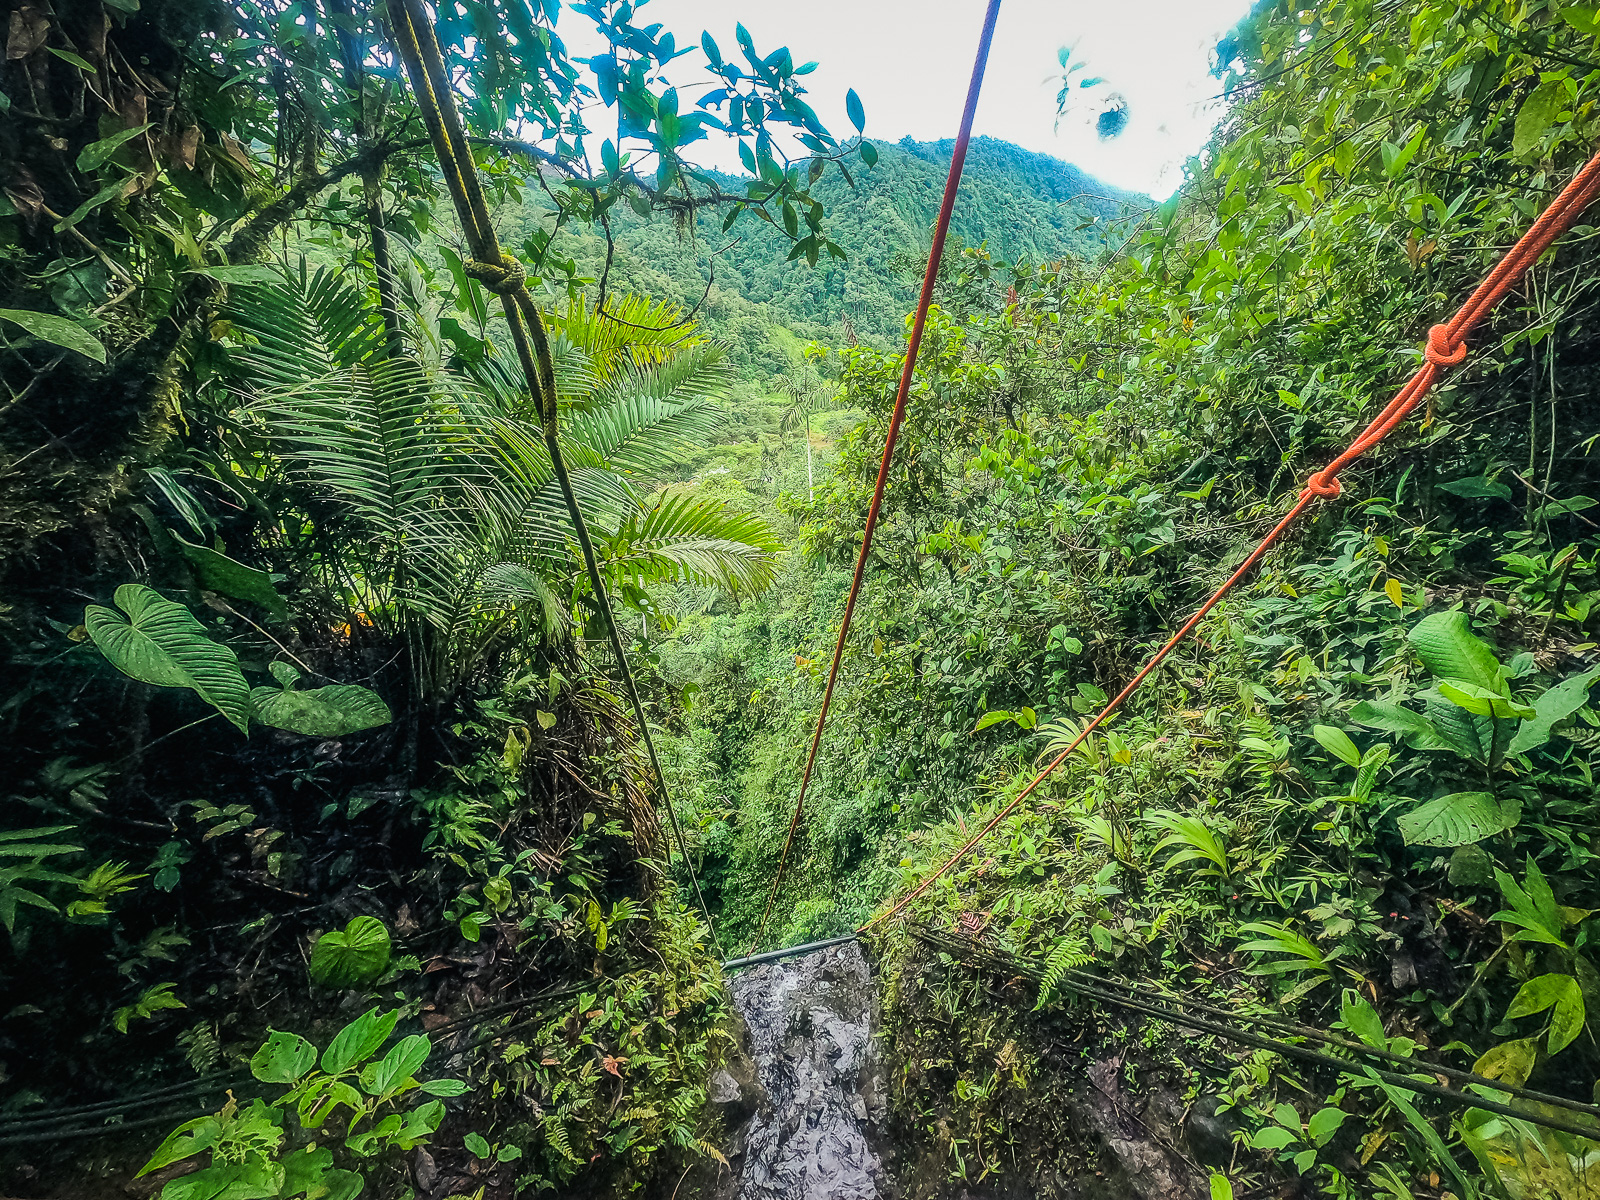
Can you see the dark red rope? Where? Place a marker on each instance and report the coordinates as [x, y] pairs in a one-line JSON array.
[[941, 229]]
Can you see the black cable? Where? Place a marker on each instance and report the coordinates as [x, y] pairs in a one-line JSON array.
[[177, 1091], [25, 1139], [1344, 1066]]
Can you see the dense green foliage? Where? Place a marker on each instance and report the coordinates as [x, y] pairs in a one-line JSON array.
[[1371, 770], [300, 669], [310, 703]]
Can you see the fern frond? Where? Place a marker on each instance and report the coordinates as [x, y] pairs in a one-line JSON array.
[[1068, 954]]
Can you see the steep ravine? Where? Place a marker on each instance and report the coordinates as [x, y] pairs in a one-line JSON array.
[[807, 1109], [815, 1105]]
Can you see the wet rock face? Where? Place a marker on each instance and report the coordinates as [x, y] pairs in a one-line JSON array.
[[817, 1099]]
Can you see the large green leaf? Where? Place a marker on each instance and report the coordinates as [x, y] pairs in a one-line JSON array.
[[1458, 819], [332, 711], [358, 1041], [1468, 734], [58, 331], [219, 573], [1482, 701], [1554, 990], [160, 642], [1560, 702], [1417, 731], [353, 956], [1448, 648], [284, 1058]]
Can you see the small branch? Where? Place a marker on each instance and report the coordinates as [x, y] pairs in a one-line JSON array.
[[1539, 491], [111, 264]]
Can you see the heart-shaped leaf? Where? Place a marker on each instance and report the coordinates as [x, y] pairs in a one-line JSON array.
[[331, 711], [161, 642], [353, 956]]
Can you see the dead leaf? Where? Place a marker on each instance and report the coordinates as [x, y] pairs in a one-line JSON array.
[[610, 1064], [234, 150], [29, 29], [24, 193], [133, 109], [95, 31], [179, 148]]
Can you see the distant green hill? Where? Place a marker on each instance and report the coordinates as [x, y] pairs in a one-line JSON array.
[[1025, 206]]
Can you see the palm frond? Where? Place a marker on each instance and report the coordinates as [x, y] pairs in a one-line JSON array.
[[512, 585], [307, 327], [692, 538], [649, 418], [632, 331], [577, 380], [411, 472]]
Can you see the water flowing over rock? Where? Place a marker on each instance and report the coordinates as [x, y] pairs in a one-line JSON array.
[[818, 1106]]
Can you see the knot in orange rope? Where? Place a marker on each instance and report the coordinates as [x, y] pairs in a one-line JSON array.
[[1443, 350], [1324, 484]]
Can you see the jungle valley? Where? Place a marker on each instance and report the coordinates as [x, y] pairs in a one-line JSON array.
[[428, 501]]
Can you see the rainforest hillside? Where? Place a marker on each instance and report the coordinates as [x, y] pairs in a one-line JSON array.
[[1019, 205]]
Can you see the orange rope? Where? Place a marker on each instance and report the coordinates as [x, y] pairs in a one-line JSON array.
[[935, 254], [1446, 347]]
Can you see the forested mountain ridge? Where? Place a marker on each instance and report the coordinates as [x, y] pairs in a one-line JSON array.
[[1021, 205]]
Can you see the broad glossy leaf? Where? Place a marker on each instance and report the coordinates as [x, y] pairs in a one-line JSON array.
[[1417, 731], [1560, 702], [187, 1139], [358, 1041], [58, 331], [1458, 819], [95, 153], [306, 1169], [1337, 743], [353, 956], [285, 1058], [1477, 487], [1482, 701], [332, 711], [1539, 993], [1448, 648], [402, 1062], [1536, 115], [1510, 1062], [219, 573], [1361, 1019], [160, 642]]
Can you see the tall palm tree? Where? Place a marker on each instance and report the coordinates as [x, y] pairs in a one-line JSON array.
[[448, 522]]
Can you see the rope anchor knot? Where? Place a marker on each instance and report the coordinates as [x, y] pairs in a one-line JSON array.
[[504, 278], [1443, 349]]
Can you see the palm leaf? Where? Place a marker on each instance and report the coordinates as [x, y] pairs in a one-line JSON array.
[[700, 540], [632, 331]]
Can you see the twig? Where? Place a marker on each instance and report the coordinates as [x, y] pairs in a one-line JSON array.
[[1541, 492]]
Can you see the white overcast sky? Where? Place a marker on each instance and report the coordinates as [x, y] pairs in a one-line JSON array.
[[910, 61]]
